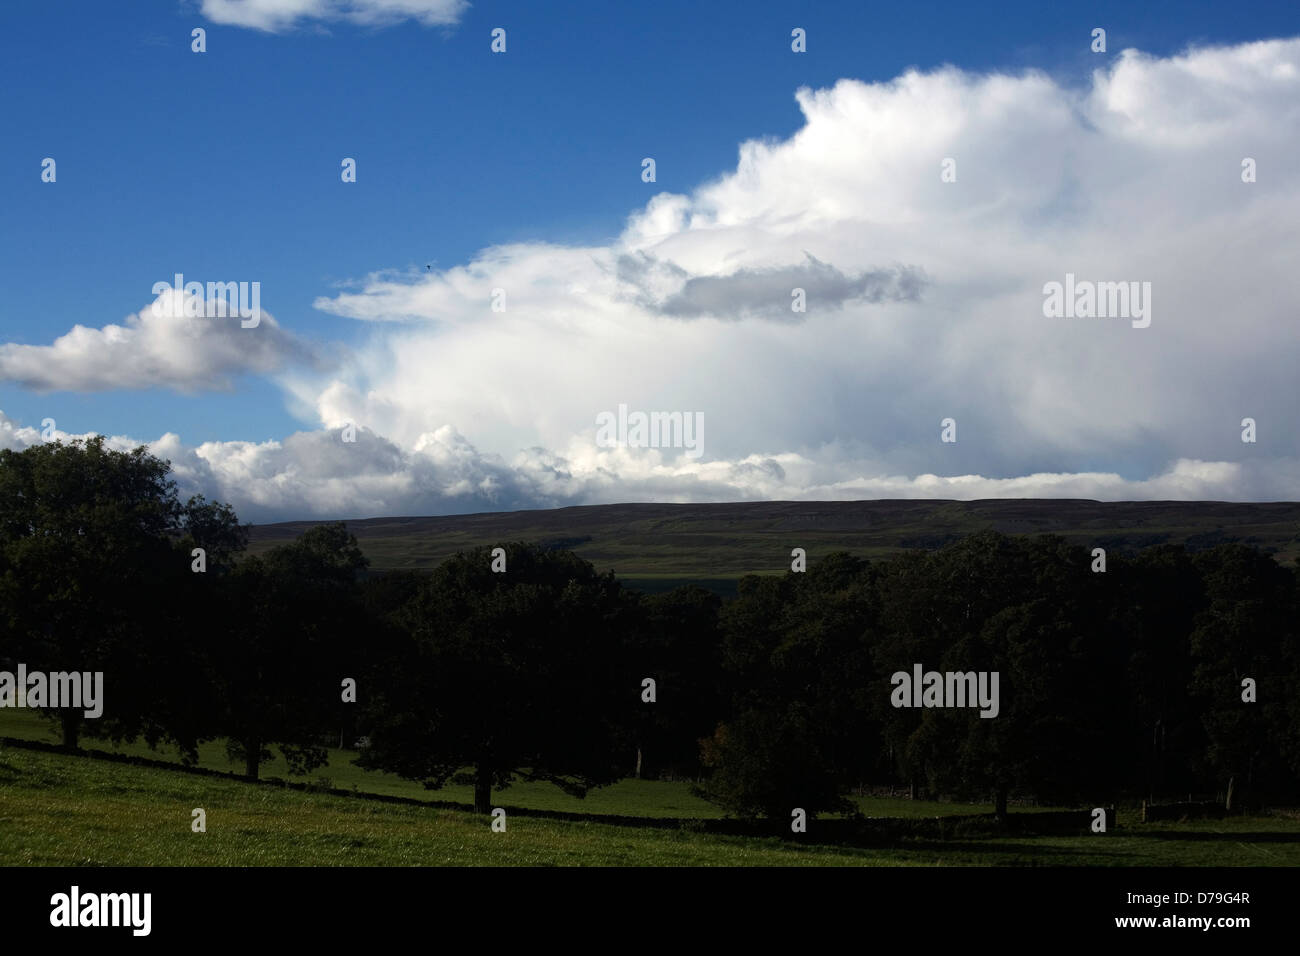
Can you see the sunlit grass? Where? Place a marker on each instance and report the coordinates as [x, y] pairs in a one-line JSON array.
[[58, 809]]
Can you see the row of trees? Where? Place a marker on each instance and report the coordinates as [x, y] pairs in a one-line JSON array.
[[1119, 684], [1168, 673]]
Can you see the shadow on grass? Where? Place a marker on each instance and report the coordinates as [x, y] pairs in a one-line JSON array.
[[1229, 836], [1012, 854], [947, 836]]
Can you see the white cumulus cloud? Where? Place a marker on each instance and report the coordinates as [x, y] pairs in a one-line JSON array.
[[318, 474], [924, 297], [158, 346], [276, 15], [478, 387]]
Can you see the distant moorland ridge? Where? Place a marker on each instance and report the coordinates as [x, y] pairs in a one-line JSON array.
[[656, 545]]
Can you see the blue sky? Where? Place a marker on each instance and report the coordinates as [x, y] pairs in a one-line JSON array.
[[225, 165]]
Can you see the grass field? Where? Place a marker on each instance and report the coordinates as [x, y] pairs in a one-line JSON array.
[[643, 798], [59, 809], [64, 810]]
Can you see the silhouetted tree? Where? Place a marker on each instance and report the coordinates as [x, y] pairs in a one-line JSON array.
[[678, 647], [93, 567], [512, 674], [1247, 631], [802, 730], [291, 633]]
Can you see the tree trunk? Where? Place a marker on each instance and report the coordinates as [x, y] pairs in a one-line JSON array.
[[912, 794], [1151, 762], [252, 758], [483, 790], [1000, 806], [1227, 804], [71, 722], [638, 763]]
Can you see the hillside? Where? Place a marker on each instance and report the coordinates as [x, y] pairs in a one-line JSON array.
[[660, 545]]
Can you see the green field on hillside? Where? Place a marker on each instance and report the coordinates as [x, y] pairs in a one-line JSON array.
[[64, 810], [644, 798]]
